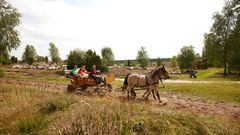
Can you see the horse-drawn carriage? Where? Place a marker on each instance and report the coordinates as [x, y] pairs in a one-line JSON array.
[[80, 84]]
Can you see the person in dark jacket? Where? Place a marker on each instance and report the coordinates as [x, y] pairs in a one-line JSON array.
[[96, 74], [192, 73]]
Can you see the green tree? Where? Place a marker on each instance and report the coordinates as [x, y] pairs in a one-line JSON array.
[[174, 62], [198, 61], [40, 58], [107, 56], [219, 38], [93, 58], [186, 57], [88, 58], [127, 63], [142, 57], [234, 42], [4, 57], [29, 54], [159, 62], [46, 59], [14, 59], [133, 63], [211, 51], [76, 57], [9, 36], [54, 53]]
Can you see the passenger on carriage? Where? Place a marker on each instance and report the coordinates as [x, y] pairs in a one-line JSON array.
[[83, 72], [75, 71], [96, 75]]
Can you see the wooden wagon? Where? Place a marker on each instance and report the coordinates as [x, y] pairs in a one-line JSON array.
[[82, 83]]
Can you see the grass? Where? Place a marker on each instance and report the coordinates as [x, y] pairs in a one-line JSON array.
[[225, 92], [27, 110], [210, 74], [53, 76], [103, 116], [2, 72], [22, 108], [57, 76], [31, 125], [56, 104]]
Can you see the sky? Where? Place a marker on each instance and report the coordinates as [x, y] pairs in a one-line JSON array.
[[162, 26]]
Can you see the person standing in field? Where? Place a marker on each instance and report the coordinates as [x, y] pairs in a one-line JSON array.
[[192, 74]]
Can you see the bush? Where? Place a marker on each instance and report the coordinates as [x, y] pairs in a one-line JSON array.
[[14, 59], [2, 72], [4, 60], [57, 104], [31, 125]]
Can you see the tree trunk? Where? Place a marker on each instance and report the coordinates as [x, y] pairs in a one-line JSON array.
[[225, 60], [225, 70]]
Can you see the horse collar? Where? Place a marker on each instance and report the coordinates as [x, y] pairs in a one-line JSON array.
[[146, 80]]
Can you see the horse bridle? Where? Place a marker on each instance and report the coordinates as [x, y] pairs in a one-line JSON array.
[[160, 78]]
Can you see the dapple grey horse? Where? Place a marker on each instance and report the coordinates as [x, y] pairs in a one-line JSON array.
[[151, 81]]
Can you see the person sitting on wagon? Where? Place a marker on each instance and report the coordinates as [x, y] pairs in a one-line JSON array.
[[75, 71], [83, 72], [96, 75]]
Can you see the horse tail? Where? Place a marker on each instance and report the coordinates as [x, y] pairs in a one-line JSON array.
[[125, 82]]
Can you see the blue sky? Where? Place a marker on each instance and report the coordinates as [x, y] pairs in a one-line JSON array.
[[162, 26]]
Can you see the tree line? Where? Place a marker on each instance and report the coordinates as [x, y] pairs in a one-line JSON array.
[[75, 57], [221, 45]]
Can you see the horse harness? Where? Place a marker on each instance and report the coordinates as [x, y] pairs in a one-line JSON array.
[[147, 83]]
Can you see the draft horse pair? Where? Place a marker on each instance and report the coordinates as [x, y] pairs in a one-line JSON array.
[[151, 81]]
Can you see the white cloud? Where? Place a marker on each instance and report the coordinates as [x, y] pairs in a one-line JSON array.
[[163, 27]]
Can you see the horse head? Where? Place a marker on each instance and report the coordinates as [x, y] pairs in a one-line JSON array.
[[163, 72]]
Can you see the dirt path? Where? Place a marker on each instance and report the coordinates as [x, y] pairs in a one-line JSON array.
[[190, 104], [174, 102]]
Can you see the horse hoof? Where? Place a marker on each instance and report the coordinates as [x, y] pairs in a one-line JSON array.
[[160, 101]]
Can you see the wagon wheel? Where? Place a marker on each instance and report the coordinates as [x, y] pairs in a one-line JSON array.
[[70, 88], [109, 87], [100, 91], [87, 91], [81, 88]]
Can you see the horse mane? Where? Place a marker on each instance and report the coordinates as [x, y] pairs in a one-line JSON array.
[[155, 71]]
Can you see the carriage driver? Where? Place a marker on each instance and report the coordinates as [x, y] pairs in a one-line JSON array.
[[96, 75]]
